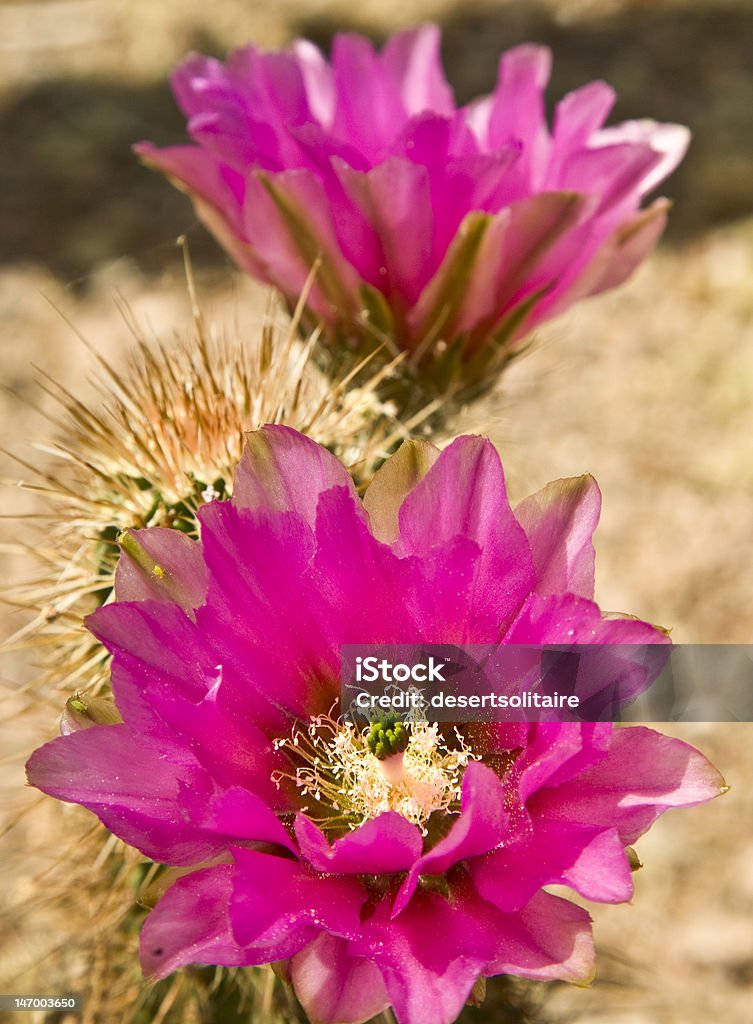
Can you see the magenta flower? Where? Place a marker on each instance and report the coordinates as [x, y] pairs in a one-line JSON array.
[[399, 881], [448, 230]]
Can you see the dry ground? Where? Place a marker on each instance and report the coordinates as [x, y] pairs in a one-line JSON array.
[[650, 388]]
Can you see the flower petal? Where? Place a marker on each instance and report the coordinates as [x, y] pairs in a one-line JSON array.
[[431, 956], [288, 221], [577, 116], [480, 827], [606, 264], [616, 173], [517, 109], [190, 925], [384, 845], [412, 60], [569, 619], [168, 684], [559, 521], [628, 246], [185, 577], [395, 200], [150, 797], [241, 814], [283, 470], [217, 192], [369, 107], [643, 775], [536, 226], [364, 585], [287, 667], [318, 79], [335, 987], [590, 860], [555, 752], [393, 482], [670, 141], [550, 939], [463, 494], [278, 906]]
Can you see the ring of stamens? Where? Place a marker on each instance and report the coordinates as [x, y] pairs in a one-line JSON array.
[[337, 768]]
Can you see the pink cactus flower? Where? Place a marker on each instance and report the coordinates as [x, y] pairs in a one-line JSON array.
[[450, 231], [374, 887]]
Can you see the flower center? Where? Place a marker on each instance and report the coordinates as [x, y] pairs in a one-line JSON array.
[[350, 776], [387, 739]]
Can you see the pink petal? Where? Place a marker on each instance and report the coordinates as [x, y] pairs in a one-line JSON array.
[[217, 192], [185, 576], [405, 600], [642, 776], [559, 521], [272, 84], [245, 757], [193, 79], [474, 182], [517, 111], [286, 667], [670, 141], [577, 116], [151, 639], [548, 940], [590, 860], [240, 814], [285, 471], [278, 906], [555, 752], [479, 299], [243, 111], [152, 798], [190, 925], [621, 658], [616, 173], [335, 987], [168, 683], [362, 583], [394, 198], [480, 827], [440, 592], [568, 619], [412, 60], [463, 494], [533, 229], [236, 132], [386, 844], [629, 245], [431, 956], [318, 80], [607, 263], [356, 234], [369, 109], [288, 221]]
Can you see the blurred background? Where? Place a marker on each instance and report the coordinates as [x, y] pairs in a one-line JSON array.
[[649, 388]]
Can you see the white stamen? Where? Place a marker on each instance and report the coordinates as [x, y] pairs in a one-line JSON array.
[[424, 778]]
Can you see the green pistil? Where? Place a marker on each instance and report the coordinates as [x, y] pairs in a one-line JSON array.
[[387, 738]]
